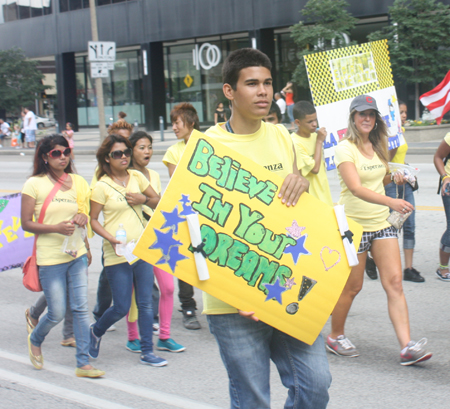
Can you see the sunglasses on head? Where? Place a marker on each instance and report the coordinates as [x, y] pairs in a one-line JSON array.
[[56, 153], [119, 154]]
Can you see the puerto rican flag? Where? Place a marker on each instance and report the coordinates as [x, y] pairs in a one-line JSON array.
[[438, 99]]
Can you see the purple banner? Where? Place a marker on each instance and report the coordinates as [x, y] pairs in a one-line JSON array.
[[15, 244]]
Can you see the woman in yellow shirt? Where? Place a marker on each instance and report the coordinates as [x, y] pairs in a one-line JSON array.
[[60, 272], [362, 162], [120, 193]]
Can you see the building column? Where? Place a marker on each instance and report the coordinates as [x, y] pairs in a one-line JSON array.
[[66, 85], [265, 42], [153, 84]]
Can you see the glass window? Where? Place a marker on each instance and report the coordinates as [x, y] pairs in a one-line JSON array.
[[47, 6], [63, 6], [103, 2], [75, 4], [24, 10], [36, 8]]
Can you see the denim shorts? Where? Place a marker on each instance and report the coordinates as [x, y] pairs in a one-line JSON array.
[[369, 236]]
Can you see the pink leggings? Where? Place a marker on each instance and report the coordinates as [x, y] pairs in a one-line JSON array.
[[165, 283]]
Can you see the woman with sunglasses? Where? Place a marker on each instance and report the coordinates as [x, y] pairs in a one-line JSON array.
[[59, 272], [362, 162], [142, 153], [120, 193]]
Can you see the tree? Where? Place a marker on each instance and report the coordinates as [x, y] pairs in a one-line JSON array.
[[20, 80], [419, 42], [327, 26]]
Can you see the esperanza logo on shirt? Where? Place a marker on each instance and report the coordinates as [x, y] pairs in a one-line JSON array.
[[275, 166], [371, 167]]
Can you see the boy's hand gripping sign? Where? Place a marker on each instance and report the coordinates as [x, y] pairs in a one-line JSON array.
[[287, 264]]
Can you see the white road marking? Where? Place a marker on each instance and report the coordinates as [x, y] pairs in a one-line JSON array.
[[150, 394], [63, 393]]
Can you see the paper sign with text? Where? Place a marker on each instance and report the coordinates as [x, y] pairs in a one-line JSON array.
[[337, 76], [15, 244], [287, 264]]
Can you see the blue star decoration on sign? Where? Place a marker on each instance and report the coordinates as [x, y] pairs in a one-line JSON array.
[[172, 220], [297, 250], [275, 291], [164, 241], [172, 258], [184, 199], [187, 208]]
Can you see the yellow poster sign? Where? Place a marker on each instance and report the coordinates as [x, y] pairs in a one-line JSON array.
[[188, 80], [287, 264]]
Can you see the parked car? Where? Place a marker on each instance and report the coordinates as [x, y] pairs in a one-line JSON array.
[[42, 122]]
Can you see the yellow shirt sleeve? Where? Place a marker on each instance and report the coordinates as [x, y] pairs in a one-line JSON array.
[[174, 153], [343, 153], [305, 162], [447, 166]]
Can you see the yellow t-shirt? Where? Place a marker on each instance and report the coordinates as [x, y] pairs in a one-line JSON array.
[[447, 166], [155, 183], [318, 183], [174, 153], [117, 211], [62, 207], [400, 155], [271, 146], [372, 217]]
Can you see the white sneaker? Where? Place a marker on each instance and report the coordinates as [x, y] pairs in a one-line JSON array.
[[111, 328]]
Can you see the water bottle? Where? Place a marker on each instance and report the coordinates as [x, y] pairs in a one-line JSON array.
[[121, 235]]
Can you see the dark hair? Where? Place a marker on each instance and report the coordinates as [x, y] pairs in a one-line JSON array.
[[122, 114], [303, 108], [139, 135], [187, 113], [275, 109], [240, 59], [70, 124], [400, 102], [103, 152], [120, 124], [44, 146]]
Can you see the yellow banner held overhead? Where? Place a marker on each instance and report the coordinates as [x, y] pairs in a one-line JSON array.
[[287, 264]]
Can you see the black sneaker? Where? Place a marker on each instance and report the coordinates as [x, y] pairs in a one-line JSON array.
[[371, 268], [411, 274], [190, 320]]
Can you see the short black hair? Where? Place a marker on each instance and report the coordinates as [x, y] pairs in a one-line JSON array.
[[240, 59], [275, 109], [303, 108]]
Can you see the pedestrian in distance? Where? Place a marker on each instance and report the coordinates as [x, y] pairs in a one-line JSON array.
[[362, 162], [60, 272]]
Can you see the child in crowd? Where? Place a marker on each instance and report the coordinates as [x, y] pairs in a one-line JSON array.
[[68, 134], [309, 150]]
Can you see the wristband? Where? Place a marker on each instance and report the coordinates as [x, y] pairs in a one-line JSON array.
[[444, 176]]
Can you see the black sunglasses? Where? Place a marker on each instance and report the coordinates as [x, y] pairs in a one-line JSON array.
[[56, 153], [119, 154]]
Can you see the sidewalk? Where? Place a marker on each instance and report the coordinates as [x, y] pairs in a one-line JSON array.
[[87, 142]]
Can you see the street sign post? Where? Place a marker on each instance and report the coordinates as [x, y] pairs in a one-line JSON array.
[[101, 51]]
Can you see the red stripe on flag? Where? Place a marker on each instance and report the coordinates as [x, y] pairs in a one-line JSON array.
[[444, 82], [437, 104], [445, 110]]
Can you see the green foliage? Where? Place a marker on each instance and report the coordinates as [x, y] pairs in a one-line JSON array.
[[325, 23], [20, 80], [419, 40]]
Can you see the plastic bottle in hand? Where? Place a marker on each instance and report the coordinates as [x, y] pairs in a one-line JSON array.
[[121, 235]]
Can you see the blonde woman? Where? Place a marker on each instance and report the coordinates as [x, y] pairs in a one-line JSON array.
[[362, 162]]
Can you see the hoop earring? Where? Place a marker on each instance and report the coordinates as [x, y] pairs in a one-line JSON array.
[[376, 124], [46, 162]]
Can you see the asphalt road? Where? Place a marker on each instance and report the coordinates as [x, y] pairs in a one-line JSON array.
[[196, 378]]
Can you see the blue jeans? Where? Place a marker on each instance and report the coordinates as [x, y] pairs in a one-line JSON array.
[[409, 226], [246, 348], [57, 281], [121, 278], [445, 240], [290, 112]]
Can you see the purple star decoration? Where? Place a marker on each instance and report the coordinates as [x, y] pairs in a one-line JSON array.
[[297, 250], [275, 291]]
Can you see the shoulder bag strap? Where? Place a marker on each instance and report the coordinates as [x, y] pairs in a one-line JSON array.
[[47, 201]]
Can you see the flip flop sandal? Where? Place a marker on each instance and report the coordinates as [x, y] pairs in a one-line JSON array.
[[30, 326], [443, 277], [69, 343], [37, 361]]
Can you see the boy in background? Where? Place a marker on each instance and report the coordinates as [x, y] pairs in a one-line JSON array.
[[309, 150]]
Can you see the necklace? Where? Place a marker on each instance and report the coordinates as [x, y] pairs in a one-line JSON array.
[[122, 182]]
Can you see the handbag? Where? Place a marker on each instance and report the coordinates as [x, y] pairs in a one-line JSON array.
[[30, 268], [397, 219]]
